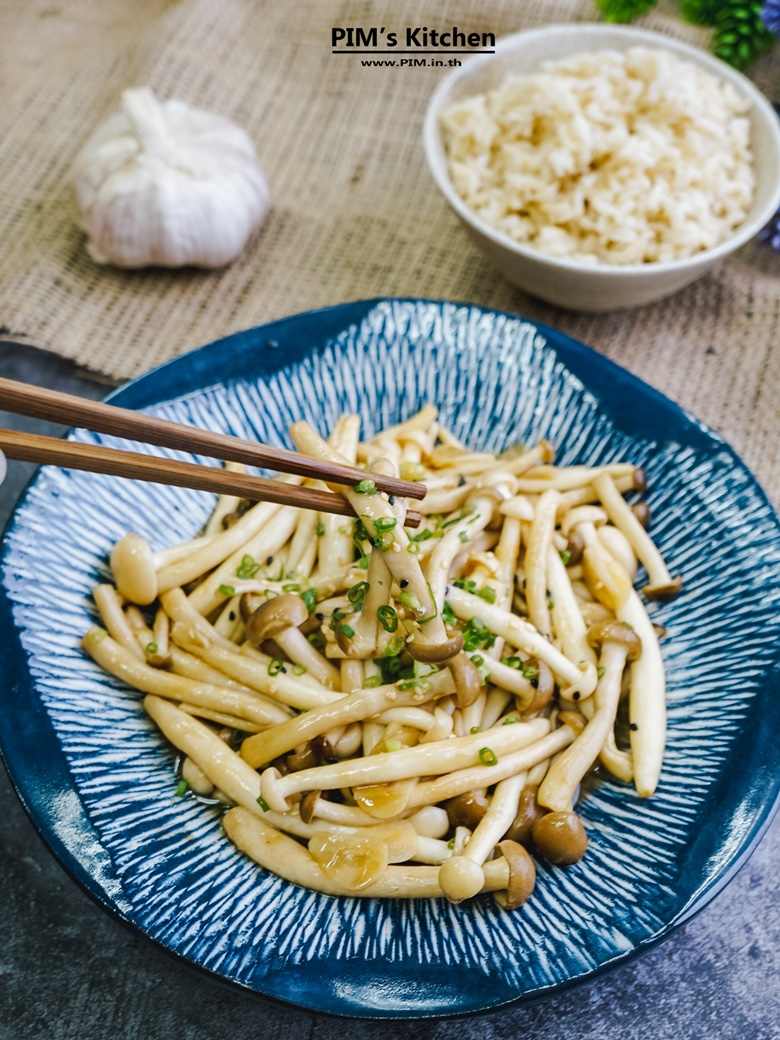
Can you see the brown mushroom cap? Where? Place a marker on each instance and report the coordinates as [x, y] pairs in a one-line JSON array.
[[639, 479], [528, 812], [615, 632], [544, 686], [468, 681], [466, 810], [575, 547], [275, 616], [560, 838], [427, 652], [666, 591], [522, 874], [308, 804], [642, 512]]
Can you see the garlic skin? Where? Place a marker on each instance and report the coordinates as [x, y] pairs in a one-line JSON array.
[[164, 184]]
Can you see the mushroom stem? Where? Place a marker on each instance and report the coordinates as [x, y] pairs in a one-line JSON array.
[[437, 568], [570, 627], [126, 666], [662, 585], [520, 633], [353, 707], [536, 556], [570, 766], [110, 607], [256, 672], [440, 757], [647, 699], [570, 478]]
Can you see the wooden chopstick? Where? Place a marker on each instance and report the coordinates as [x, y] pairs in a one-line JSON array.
[[40, 403], [31, 447]]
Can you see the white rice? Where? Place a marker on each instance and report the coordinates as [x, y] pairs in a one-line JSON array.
[[610, 157]]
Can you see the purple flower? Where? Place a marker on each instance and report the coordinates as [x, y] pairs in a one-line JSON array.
[[770, 15]]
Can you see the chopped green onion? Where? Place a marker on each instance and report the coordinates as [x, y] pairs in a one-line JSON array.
[[393, 745], [488, 757], [385, 523], [226, 590], [99, 635], [412, 684], [309, 597], [263, 803], [348, 631], [394, 647], [451, 843], [477, 660], [512, 662], [181, 788], [474, 729], [294, 587], [530, 672], [275, 666], [448, 615], [421, 536], [464, 536], [487, 593], [509, 720], [467, 584], [366, 487], [565, 556], [600, 671], [356, 593], [410, 600], [151, 648], [299, 669], [372, 681], [320, 528], [388, 618], [317, 640], [248, 567], [413, 549]]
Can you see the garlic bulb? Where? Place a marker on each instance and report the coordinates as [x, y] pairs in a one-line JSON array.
[[164, 184]]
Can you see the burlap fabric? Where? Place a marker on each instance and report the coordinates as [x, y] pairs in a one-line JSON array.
[[355, 213]]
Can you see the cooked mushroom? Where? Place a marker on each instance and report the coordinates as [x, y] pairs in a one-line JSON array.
[[536, 561], [278, 619], [661, 585], [461, 877], [522, 875], [560, 838], [528, 812], [120, 662], [647, 699], [617, 644], [467, 809], [468, 682]]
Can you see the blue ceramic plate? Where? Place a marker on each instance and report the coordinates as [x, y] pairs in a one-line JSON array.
[[97, 779]]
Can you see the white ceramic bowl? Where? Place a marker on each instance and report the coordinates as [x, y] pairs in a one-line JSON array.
[[608, 286]]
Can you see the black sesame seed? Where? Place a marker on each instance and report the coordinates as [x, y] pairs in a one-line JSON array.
[[283, 669], [535, 684], [320, 617], [461, 482], [575, 695], [391, 500], [232, 615], [404, 582], [633, 726], [269, 561]]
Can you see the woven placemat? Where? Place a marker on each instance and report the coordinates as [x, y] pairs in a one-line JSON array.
[[355, 213]]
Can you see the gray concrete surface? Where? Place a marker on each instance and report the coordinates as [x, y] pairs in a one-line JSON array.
[[68, 971]]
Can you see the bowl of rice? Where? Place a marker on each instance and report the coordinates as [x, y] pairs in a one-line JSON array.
[[601, 167]]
